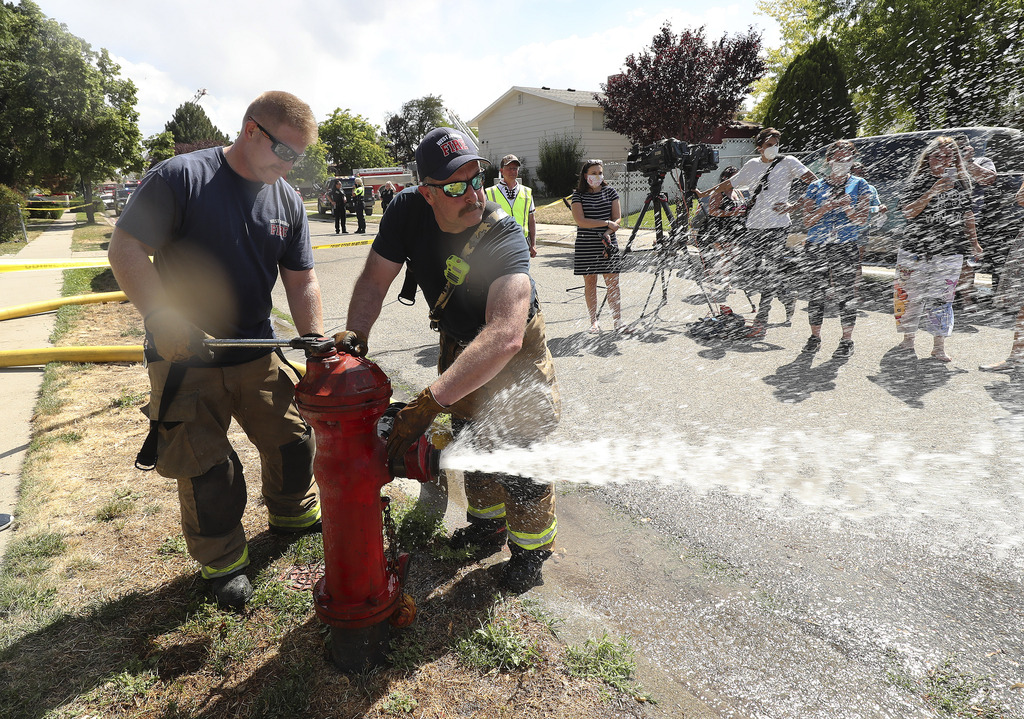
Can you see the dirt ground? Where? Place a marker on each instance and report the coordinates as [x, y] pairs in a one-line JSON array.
[[126, 628]]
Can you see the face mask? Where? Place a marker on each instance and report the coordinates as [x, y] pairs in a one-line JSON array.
[[842, 168], [595, 180], [771, 153]]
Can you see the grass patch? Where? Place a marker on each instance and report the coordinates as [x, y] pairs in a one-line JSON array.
[[88, 237], [610, 662], [118, 506], [129, 398], [31, 556], [949, 690], [498, 644]]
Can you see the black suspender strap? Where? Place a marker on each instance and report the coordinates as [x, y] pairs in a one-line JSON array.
[[491, 217], [762, 183], [146, 458]]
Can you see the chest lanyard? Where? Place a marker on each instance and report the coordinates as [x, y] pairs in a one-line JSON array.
[[456, 267]]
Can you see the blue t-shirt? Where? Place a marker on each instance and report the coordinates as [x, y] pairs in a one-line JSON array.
[[219, 240], [409, 233], [835, 226]]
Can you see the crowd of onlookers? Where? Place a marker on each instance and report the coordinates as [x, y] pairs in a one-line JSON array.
[[752, 212]]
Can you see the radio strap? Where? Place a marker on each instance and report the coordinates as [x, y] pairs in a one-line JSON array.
[[762, 183], [456, 263]]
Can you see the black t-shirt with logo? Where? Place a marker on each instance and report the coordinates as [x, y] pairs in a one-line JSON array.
[[410, 234], [940, 228]]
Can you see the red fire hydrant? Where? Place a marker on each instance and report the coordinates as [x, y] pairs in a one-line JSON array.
[[343, 398]]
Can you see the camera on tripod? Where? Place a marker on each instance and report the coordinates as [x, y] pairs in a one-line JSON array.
[[669, 154]]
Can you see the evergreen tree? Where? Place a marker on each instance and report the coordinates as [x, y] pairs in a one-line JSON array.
[[811, 104], [190, 125]]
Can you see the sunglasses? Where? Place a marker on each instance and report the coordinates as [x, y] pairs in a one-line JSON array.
[[458, 189], [277, 147]]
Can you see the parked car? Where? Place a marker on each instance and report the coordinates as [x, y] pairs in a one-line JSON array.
[[121, 198], [888, 160]]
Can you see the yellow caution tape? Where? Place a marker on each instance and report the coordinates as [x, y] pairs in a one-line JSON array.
[[22, 265], [34, 308], [353, 243], [112, 353]]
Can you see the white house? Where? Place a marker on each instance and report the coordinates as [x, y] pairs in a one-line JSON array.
[[518, 120]]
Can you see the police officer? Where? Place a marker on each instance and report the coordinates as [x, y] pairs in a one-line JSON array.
[[515, 198], [358, 193]]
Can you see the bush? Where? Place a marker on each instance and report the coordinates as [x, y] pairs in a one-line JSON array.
[[11, 214], [561, 158], [46, 208]]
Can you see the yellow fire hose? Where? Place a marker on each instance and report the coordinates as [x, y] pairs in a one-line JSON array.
[[34, 308], [42, 355]]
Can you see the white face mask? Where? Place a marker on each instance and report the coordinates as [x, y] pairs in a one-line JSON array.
[[595, 180], [842, 168], [771, 153]]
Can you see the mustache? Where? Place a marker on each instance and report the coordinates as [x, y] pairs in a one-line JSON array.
[[471, 208]]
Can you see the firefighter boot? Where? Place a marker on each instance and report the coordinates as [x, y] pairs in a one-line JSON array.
[[523, 570], [232, 590], [486, 534]]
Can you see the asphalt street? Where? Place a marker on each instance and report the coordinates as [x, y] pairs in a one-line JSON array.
[[779, 534]]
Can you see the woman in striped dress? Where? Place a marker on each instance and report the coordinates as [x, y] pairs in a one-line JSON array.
[[595, 209]]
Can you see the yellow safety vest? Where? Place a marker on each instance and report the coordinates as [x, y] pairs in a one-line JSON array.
[[520, 210]]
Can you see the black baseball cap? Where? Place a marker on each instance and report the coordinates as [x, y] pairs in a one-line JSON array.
[[443, 151]]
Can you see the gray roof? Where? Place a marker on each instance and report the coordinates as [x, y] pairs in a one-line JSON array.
[[575, 98]]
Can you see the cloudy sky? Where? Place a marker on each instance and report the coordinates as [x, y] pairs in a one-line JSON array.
[[370, 57]]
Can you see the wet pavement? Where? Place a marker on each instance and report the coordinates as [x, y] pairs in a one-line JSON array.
[[780, 535]]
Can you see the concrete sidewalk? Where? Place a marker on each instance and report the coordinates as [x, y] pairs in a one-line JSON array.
[[19, 386]]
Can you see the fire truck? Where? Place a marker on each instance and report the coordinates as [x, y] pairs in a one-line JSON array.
[[376, 177]]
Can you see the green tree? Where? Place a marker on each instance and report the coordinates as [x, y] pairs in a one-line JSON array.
[[811, 105], [919, 64], [159, 147], [799, 25], [66, 115], [191, 125], [311, 170], [352, 141], [405, 129]]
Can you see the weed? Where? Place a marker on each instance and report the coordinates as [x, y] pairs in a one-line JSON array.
[[417, 525], [611, 662], [286, 696], [281, 600], [308, 549], [498, 644], [950, 690], [30, 556], [536, 611], [233, 641], [127, 398], [172, 546], [121, 504], [407, 649], [398, 703]]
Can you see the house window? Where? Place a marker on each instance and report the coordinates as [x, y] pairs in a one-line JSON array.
[[598, 117]]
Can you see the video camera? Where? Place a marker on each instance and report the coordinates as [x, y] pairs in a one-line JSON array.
[[669, 154]]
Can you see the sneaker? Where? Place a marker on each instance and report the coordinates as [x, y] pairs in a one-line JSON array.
[[844, 350], [524, 570], [756, 331], [813, 345], [488, 534], [232, 590], [1008, 366]]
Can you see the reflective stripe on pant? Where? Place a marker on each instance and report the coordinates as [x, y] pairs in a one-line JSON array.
[[194, 449], [519, 406]]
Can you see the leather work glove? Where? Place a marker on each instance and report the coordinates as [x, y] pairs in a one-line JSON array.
[[352, 342], [176, 339], [411, 422]]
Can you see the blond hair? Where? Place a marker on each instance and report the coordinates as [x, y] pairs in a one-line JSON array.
[[939, 143], [276, 107]]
